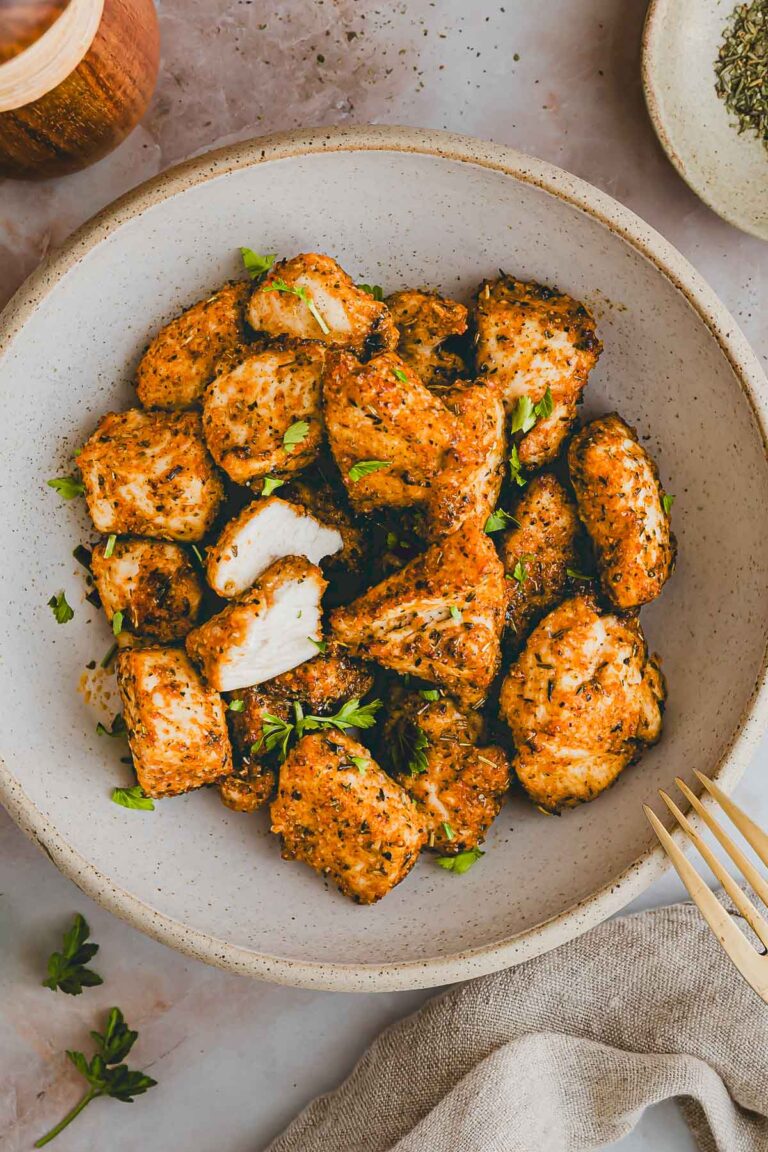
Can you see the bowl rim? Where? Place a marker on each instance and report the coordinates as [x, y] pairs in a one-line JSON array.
[[652, 863]]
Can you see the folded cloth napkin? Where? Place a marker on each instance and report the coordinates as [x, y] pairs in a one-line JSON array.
[[563, 1053]]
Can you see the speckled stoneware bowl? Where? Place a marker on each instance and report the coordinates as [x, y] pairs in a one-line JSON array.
[[728, 171], [397, 207]]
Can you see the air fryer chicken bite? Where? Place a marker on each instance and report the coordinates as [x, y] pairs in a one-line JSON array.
[[388, 433], [254, 779], [180, 360], [457, 783], [311, 297], [149, 474], [425, 320], [154, 584], [337, 811], [330, 508], [440, 617], [177, 728], [263, 532], [325, 681], [530, 338], [581, 702], [621, 503], [538, 553], [267, 631], [261, 411]]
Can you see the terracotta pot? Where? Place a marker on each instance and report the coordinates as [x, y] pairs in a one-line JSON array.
[[73, 93]]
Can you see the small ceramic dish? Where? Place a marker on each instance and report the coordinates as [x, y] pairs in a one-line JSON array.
[[396, 207], [727, 170]]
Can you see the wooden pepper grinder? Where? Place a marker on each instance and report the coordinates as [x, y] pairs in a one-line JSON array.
[[76, 77]]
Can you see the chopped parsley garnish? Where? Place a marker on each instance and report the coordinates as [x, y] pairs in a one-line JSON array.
[[67, 970], [299, 290], [667, 501], [417, 761], [61, 610], [132, 798], [366, 467], [526, 413], [499, 520], [455, 613], [272, 482], [574, 575], [117, 623], [449, 832], [67, 487], [321, 645], [110, 546], [236, 705], [401, 376], [460, 863], [520, 571], [294, 434], [515, 468], [198, 554], [118, 727], [278, 733], [543, 409], [374, 290], [255, 265], [361, 763], [429, 693]]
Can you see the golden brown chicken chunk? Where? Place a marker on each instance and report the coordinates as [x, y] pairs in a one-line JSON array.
[[179, 362], [154, 584], [440, 617], [473, 468], [254, 779], [425, 320], [177, 727], [530, 338], [581, 701], [538, 553], [246, 790], [261, 412], [457, 783], [621, 503], [310, 297], [149, 474], [340, 813], [388, 433], [269, 630], [323, 682], [331, 509]]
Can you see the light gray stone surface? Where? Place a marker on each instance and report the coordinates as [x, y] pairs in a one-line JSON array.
[[235, 1059]]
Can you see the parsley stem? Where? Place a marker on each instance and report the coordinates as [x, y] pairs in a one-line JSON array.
[[91, 1094]]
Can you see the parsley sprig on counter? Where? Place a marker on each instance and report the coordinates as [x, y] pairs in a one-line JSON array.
[[67, 970], [279, 733]]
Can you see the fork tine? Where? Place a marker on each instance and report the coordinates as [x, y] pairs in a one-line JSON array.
[[741, 861], [740, 899], [733, 942], [754, 836]]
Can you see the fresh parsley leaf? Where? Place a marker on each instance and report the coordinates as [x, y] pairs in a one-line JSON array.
[[544, 408], [401, 376], [117, 623], [104, 1072], [294, 434], [449, 832], [520, 571], [523, 416], [132, 798], [67, 486], [236, 705], [417, 760], [255, 265], [429, 693], [61, 610], [353, 714], [277, 733], [460, 863], [574, 575], [667, 501], [279, 285], [271, 482], [499, 520], [515, 468], [110, 546], [366, 467], [455, 613], [361, 763], [118, 727], [372, 290], [66, 969], [198, 555], [321, 645]]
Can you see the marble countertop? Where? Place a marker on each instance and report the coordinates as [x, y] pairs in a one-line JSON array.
[[235, 1058]]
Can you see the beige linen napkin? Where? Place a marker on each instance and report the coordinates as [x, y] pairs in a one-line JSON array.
[[563, 1053]]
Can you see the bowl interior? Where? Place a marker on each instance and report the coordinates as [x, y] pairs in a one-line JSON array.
[[395, 219]]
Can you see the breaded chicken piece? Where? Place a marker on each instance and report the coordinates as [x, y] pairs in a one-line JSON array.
[[350, 822], [149, 474], [581, 702], [538, 553], [473, 469], [247, 791], [425, 320], [440, 617], [457, 783], [310, 297], [154, 584], [264, 531], [530, 338], [267, 631], [261, 412], [179, 362], [381, 412], [323, 682], [254, 779], [331, 509], [621, 503], [177, 727]]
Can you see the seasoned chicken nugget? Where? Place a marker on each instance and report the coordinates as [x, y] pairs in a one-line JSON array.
[[177, 727], [337, 811], [323, 682], [247, 791], [310, 297], [149, 474], [261, 412], [621, 503], [267, 631], [155, 585], [388, 433], [179, 362], [440, 617], [458, 784], [581, 702], [530, 338], [330, 508], [424, 321]]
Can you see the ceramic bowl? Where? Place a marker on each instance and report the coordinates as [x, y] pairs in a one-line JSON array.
[[397, 207], [728, 171]]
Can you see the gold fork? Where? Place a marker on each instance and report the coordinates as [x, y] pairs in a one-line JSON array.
[[751, 964]]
